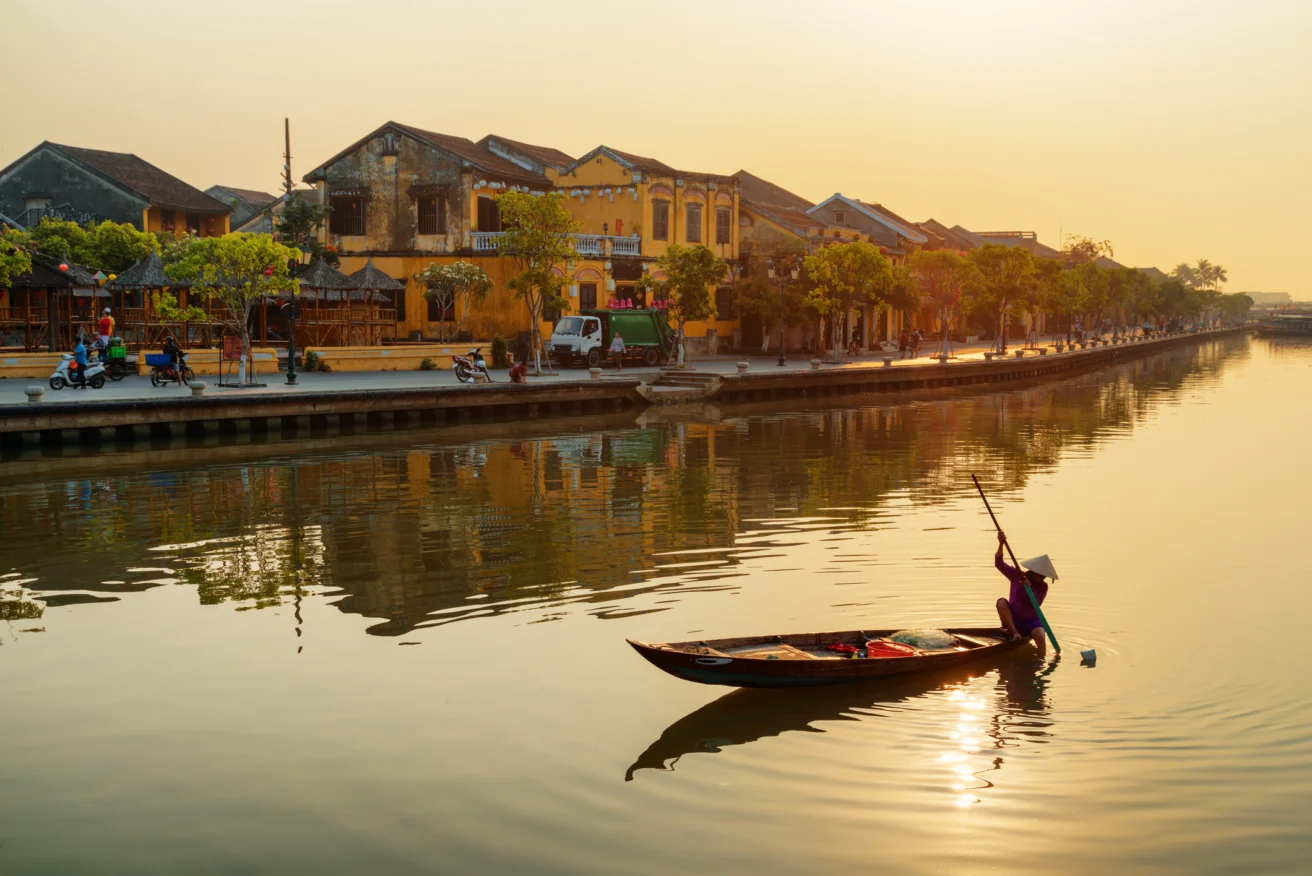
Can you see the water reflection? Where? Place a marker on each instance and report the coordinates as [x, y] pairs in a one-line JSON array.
[[978, 725], [413, 531]]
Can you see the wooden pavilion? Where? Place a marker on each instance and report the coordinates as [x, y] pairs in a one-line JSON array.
[[138, 323], [47, 307], [374, 322]]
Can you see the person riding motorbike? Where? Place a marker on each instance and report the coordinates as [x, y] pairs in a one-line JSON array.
[[176, 356]]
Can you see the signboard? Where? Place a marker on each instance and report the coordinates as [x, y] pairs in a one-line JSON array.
[[232, 351]]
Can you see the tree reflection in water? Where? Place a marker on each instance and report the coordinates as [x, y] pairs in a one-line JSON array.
[[415, 532]]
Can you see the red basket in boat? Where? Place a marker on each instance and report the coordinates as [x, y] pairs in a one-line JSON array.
[[889, 649]]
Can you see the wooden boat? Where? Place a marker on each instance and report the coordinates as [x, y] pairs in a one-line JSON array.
[[1299, 324], [805, 659]]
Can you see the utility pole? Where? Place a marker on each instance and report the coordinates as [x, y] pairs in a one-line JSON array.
[[287, 189]]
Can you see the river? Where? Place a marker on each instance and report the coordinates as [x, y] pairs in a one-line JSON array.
[[404, 652]]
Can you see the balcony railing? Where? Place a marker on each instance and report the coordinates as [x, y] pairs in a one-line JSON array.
[[584, 244]]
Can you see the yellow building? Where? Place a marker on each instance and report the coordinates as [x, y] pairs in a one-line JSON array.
[[408, 198]]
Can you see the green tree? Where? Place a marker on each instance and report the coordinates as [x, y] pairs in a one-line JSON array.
[[116, 246], [844, 276], [1067, 298], [1006, 274], [237, 270], [944, 280], [61, 239], [537, 238], [1234, 306], [757, 295], [1079, 250], [1042, 293], [690, 273], [454, 287], [14, 258], [299, 224]]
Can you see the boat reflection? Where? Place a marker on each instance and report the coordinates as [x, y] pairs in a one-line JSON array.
[[747, 715]]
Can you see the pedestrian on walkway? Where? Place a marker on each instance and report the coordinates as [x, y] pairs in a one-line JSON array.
[[916, 339], [617, 351], [903, 341]]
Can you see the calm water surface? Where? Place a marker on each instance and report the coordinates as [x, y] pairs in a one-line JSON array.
[[405, 652]]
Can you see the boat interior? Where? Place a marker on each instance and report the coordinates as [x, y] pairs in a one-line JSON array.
[[838, 646]]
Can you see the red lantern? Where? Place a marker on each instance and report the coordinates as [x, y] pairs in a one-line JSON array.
[[63, 267], [268, 272], [883, 250]]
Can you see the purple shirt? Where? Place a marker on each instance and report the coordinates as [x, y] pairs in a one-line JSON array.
[[1021, 610]]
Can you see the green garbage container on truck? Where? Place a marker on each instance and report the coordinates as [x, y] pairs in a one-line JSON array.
[[585, 338]]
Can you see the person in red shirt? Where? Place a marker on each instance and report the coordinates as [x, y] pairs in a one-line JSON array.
[[106, 328], [519, 373]]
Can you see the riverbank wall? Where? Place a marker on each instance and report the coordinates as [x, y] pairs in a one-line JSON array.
[[131, 420], [126, 421], [764, 385]]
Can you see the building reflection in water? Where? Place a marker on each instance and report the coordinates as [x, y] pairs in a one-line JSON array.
[[414, 532]]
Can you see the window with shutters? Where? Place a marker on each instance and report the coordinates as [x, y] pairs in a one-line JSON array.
[[840, 217], [660, 220], [724, 303], [193, 223], [723, 222], [432, 214], [395, 300], [692, 231], [166, 219], [587, 296], [347, 216], [489, 216]]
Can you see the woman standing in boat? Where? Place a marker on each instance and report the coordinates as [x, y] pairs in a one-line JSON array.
[[1015, 611]]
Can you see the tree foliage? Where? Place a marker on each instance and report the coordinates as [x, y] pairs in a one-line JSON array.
[[110, 246], [756, 294], [690, 273], [844, 276], [943, 279], [455, 287], [236, 270], [299, 224], [1006, 274], [537, 238], [1081, 250], [14, 258]]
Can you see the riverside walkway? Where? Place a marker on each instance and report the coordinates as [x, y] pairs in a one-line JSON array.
[[133, 410]]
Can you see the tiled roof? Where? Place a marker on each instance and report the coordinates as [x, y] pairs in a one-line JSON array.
[[461, 147], [545, 154], [646, 165], [479, 156], [252, 198], [142, 178], [371, 278], [762, 191], [796, 220]]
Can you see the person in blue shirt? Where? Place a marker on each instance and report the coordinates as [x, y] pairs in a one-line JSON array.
[[80, 357]]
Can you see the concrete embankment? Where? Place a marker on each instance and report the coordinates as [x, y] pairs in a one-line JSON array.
[[764, 385], [232, 411], [128, 420]]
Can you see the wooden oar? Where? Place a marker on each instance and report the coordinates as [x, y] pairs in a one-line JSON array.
[[1028, 592]]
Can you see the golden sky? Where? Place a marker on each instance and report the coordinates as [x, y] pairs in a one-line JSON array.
[[1177, 130]]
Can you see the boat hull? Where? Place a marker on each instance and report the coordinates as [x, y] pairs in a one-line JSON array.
[[707, 662]]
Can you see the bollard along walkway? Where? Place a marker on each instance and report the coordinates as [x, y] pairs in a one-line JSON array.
[[133, 411]]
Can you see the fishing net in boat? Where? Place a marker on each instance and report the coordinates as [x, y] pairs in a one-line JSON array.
[[926, 640]]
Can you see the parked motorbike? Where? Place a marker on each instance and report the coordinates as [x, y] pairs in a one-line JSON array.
[[466, 367], [93, 376], [162, 370], [114, 358]]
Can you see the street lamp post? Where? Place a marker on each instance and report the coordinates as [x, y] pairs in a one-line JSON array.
[[772, 274]]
